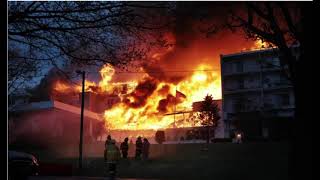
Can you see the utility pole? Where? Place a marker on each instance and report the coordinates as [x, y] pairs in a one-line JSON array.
[[174, 115], [81, 117]]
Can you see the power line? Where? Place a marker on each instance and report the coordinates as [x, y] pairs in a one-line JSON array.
[[70, 78], [154, 72]]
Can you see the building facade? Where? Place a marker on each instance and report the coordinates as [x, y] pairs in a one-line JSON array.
[[257, 96], [53, 122]]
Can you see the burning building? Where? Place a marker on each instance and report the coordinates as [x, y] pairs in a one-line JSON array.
[[141, 107], [169, 83]]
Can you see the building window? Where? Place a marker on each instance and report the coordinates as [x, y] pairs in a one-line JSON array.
[[268, 103], [238, 105], [266, 81], [227, 67], [239, 67], [283, 80], [241, 83], [248, 106], [284, 99], [276, 62], [270, 63]]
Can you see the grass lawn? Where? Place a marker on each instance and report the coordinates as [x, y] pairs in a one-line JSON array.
[[259, 161]]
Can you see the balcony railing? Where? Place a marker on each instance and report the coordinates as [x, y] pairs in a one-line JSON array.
[[265, 107], [266, 87], [255, 71], [238, 90]]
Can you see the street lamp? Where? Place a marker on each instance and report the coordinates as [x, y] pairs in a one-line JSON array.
[[239, 138]]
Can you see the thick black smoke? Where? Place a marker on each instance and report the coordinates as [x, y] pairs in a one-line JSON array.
[[170, 101], [141, 93]]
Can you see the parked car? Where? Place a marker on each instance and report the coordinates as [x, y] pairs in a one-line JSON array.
[[21, 165]]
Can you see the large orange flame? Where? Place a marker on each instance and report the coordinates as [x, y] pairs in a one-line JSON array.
[[149, 115], [260, 44], [106, 73], [61, 86], [202, 82]]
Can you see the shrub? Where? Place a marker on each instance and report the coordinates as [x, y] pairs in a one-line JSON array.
[[160, 137], [219, 140]]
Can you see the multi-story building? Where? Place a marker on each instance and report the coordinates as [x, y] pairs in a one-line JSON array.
[[257, 96]]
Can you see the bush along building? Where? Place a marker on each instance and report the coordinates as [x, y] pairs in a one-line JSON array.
[[257, 97]]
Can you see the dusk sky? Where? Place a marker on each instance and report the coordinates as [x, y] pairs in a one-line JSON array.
[[191, 46]]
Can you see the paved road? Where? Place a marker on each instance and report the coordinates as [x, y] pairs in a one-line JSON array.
[[78, 178]]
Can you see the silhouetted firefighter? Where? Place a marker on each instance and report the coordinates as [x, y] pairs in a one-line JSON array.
[[138, 148], [145, 149], [108, 141], [124, 148], [113, 156]]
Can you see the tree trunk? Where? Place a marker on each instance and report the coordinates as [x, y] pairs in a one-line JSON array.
[[300, 157], [300, 137], [208, 135]]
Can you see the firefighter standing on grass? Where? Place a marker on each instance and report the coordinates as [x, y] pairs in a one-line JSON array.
[[108, 141], [113, 156], [124, 148], [145, 149], [138, 148]]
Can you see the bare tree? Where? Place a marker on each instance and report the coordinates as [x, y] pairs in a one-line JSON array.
[[283, 24], [277, 23], [81, 33], [20, 70]]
